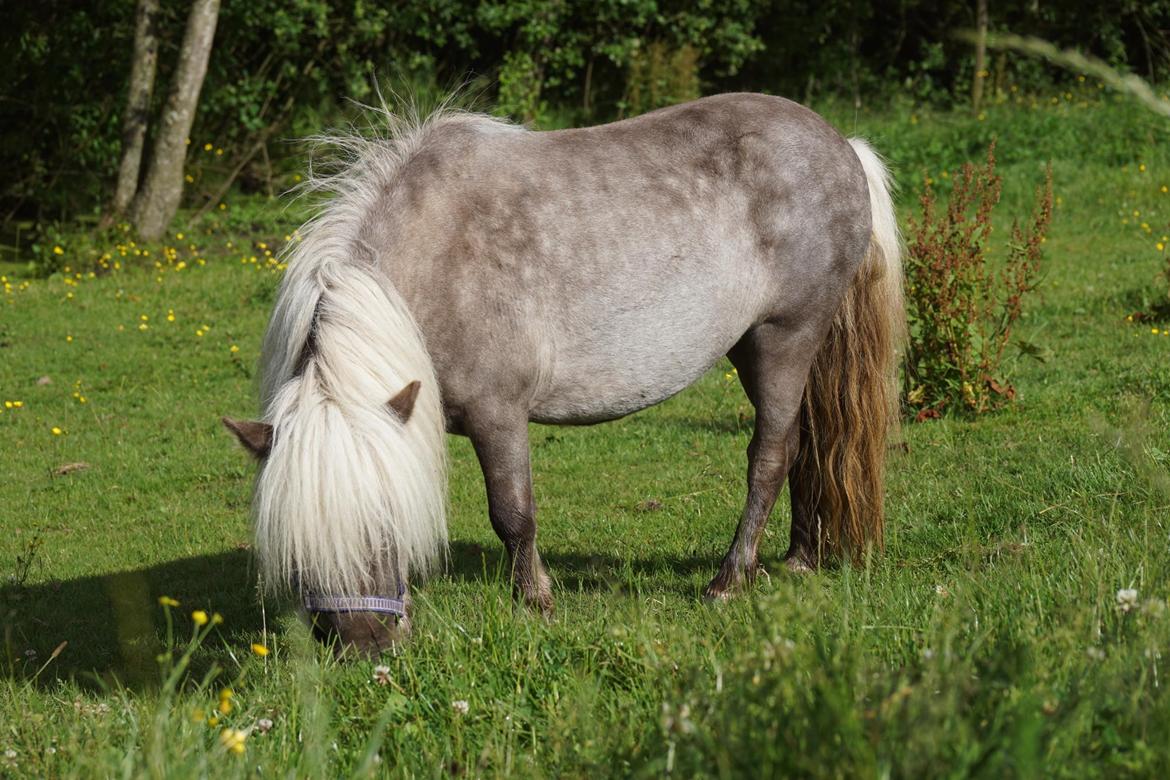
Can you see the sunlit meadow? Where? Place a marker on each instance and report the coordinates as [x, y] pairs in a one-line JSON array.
[[1015, 624]]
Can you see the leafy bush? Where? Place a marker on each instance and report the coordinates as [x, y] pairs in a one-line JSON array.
[[659, 76], [962, 310]]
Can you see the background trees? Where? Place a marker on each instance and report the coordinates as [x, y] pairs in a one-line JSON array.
[[280, 68], [157, 199]]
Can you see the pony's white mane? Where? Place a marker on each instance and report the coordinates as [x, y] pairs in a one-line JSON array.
[[348, 492]]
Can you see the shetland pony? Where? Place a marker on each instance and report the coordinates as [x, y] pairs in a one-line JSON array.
[[469, 276]]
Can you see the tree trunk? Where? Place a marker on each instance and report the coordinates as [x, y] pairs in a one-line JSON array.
[[158, 198], [137, 104], [980, 54]]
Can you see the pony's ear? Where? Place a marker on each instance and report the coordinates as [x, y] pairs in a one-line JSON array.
[[255, 436], [403, 403]]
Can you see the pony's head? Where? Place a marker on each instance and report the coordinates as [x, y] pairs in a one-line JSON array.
[[325, 507], [350, 497]]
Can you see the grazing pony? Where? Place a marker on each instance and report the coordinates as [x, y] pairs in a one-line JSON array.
[[470, 275]]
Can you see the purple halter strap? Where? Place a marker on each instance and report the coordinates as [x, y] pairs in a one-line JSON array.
[[380, 604]]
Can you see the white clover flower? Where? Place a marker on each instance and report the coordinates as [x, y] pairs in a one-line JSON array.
[[461, 706], [1127, 599], [382, 675], [1096, 653], [264, 725]]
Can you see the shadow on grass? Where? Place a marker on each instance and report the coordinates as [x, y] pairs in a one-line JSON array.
[[1144, 305], [114, 627], [589, 572]]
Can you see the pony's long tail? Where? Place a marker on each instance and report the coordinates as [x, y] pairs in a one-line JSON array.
[[850, 402]]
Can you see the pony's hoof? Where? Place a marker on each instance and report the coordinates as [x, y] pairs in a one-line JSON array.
[[543, 607], [716, 595], [722, 589], [798, 565], [541, 602]]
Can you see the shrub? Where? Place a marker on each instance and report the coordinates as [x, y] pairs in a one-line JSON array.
[[660, 76], [520, 85], [962, 308]]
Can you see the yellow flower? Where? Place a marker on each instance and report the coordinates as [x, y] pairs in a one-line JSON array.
[[259, 649], [236, 349], [225, 706], [170, 315], [199, 333], [58, 250], [1165, 188], [57, 431], [233, 741], [68, 339], [200, 617], [216, 618], [167, 601], [1160, 246], [207, 147]]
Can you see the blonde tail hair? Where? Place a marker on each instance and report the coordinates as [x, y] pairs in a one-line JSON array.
[[850, 405]]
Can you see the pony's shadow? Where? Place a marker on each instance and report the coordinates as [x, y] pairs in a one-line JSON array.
[[106, 629], [583, 572], [109, 629]]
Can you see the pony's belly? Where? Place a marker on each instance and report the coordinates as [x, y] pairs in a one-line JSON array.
[[605, 384]]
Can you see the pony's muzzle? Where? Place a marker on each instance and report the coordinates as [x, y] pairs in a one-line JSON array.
[[359, 626]]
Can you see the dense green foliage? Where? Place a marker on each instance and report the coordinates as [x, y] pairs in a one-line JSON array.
[[996, 636], [280, 68]]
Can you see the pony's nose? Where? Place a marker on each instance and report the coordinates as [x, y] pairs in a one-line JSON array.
[[360, 634]]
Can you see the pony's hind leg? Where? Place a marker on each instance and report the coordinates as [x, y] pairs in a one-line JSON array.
[[804, 540], [503, 455], [773, 367]]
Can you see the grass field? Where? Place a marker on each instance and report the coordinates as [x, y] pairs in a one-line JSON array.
[[995, 636]]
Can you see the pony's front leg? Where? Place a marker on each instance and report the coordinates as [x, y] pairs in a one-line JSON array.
[[502, 449]]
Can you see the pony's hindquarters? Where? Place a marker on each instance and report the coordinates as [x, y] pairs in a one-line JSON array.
[[850, 402]]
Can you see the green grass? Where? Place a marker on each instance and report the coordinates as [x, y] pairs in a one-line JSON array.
[[987, 640]]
